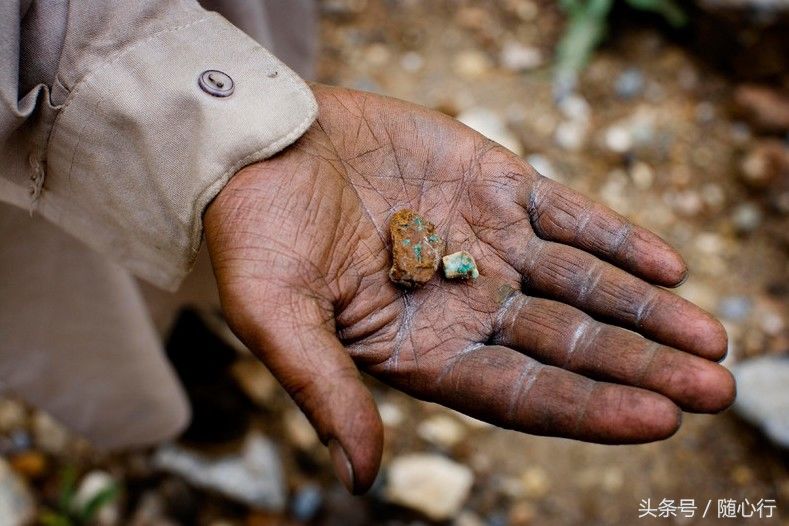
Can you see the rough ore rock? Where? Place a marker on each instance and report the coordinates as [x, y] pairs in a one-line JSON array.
[[416, 249], [460, 265]]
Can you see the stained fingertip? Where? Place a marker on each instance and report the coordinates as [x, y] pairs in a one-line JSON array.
[[714, 342], [673, 269], [686, 327], [717, 389], [627, 415], [677, 274], [660, 419]]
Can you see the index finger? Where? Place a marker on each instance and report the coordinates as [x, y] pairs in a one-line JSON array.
[[560, 214]]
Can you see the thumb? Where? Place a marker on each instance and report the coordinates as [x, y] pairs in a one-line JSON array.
[[297, 342]]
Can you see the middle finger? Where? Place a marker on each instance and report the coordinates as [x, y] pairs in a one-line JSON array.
[[580, 279]]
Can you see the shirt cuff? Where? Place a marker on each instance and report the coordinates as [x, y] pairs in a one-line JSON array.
[[139, 148]]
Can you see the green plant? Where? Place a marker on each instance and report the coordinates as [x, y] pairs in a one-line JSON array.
[[587, 22], [69, 512]]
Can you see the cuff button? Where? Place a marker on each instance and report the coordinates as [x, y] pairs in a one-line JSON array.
[[216, 83]]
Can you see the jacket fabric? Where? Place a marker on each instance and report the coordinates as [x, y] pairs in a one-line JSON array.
[[116, 131]]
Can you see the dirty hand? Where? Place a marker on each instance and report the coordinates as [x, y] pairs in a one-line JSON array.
[[566, 332]]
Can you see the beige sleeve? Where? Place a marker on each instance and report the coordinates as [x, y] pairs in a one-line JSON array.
[[106, 131]]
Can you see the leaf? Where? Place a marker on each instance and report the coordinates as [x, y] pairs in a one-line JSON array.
[[50, 518], [586, 28], [668, 9], [98, 501], [68, 487]]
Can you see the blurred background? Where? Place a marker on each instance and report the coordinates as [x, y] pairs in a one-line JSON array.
[[675, 115]]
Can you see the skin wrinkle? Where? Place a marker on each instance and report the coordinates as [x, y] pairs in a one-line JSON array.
[[651, 352], [452, 362], [526, 268], [364, 207], [534, 208], [587, 284], [526, 380], [626, 300], [563, 271], [581, 225], [466, 179], [422, 185], [645, 307], [349, 319], [550, 216], [584, 407], [400, 172], [624, 234], [581, 335], [507, 315], [400, 336]]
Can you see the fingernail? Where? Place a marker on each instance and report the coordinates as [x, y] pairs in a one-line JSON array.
[[342, 466]]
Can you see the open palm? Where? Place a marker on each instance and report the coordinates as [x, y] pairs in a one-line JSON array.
[[566, 332]]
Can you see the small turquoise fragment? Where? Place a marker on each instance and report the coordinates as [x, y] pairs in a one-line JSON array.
[[406, 242], [460, 265]]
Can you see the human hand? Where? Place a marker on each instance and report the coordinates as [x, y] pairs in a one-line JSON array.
[[538, 343]]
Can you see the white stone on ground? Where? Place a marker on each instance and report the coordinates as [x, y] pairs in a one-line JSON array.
[[431, 484], [441, 430], [16, 501], [763, 395], [253, 477]]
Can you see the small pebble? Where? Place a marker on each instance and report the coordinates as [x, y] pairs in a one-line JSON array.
[[471, 64], [746, 218], [713, 195], [391, 415], [412, 61], [20, 440], [517, 57], [441, 430], [431, 484], [642, 175], [460, 265], [299, 430], [93, 484], [705, 112], [17, 503], [30, 464], [12, 415], [571, 135], [630, 83], [468, 518], [618, 139], [49, 435], [735, 308], [306, 503]]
